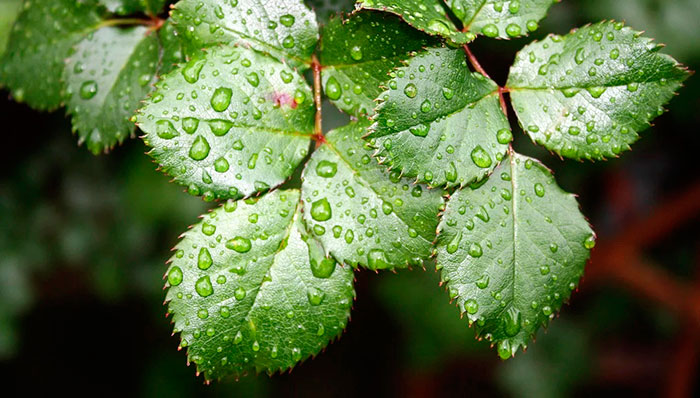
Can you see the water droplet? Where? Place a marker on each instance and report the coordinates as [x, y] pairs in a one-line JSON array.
[[504, 350], [323, 269], [315, 296], [220, 127], [410, 90], [539, 190], [483, 282], [203, 286], [426, 106], [589, 243], [475, 250], [175, 276], [88, 89], [203, 313], [321, 210], [439, 27], [204, 260], [166, 130], [221, 99], [471, 306], [221, 165], [376, 259], [490, 30], [287, 20], [200, 148], [253, 79], [333, 90], [596, 92], [326, 169], [239, 293], [481, 158], [504, 136], [239, 244], [513, 30], [356, 53], [511, 322], [192, 70], [454, 243], [288, 42]]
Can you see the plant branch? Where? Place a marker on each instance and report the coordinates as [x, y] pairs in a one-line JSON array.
[[477, 66], [318, 126]]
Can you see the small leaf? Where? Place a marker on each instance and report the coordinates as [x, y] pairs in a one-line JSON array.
[[500, 19], [588, 94], [41, 40], [439, 122], [246, 294], [362, 214], [357, 55], [107, 76], [287, 30], [426, 15], [512, 250], [229, 124]]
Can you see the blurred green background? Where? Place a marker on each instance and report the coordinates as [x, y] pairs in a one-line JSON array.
[[83, 241]]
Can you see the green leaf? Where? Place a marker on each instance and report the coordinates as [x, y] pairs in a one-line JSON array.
[[231, 123], [512, 250], [588, 94], [501, 19], [362, 214], [440, 122], [126, 7], [286, 29], [357, 55], [426, 15], [9, 10], [106, 78], [247, 294], [41, 40]]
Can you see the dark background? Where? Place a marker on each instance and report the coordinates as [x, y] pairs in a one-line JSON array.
[[83, 241]]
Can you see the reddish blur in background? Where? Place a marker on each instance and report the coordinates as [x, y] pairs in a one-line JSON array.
[[83, 241]]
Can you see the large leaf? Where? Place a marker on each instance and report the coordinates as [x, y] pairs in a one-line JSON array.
[[512, 250], [357, 55], [106, 78], [502, 19], [248, 291], [230, 123], [41, 40], [287, 29], [426, 15], [588, 94], [439, 122], [362, 214]]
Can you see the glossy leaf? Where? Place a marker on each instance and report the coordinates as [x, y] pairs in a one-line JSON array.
[[426, 15], [248, 293], [41, 40], [358, 53], [588, 94], [512, 250], [174, 50], [440, 123], [230, 123], [501, 19], [287, 29], [363, 215], [106, 77]]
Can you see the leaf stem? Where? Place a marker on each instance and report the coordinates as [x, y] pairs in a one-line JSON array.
[[477, 66], [318, 127], [156, 22]]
